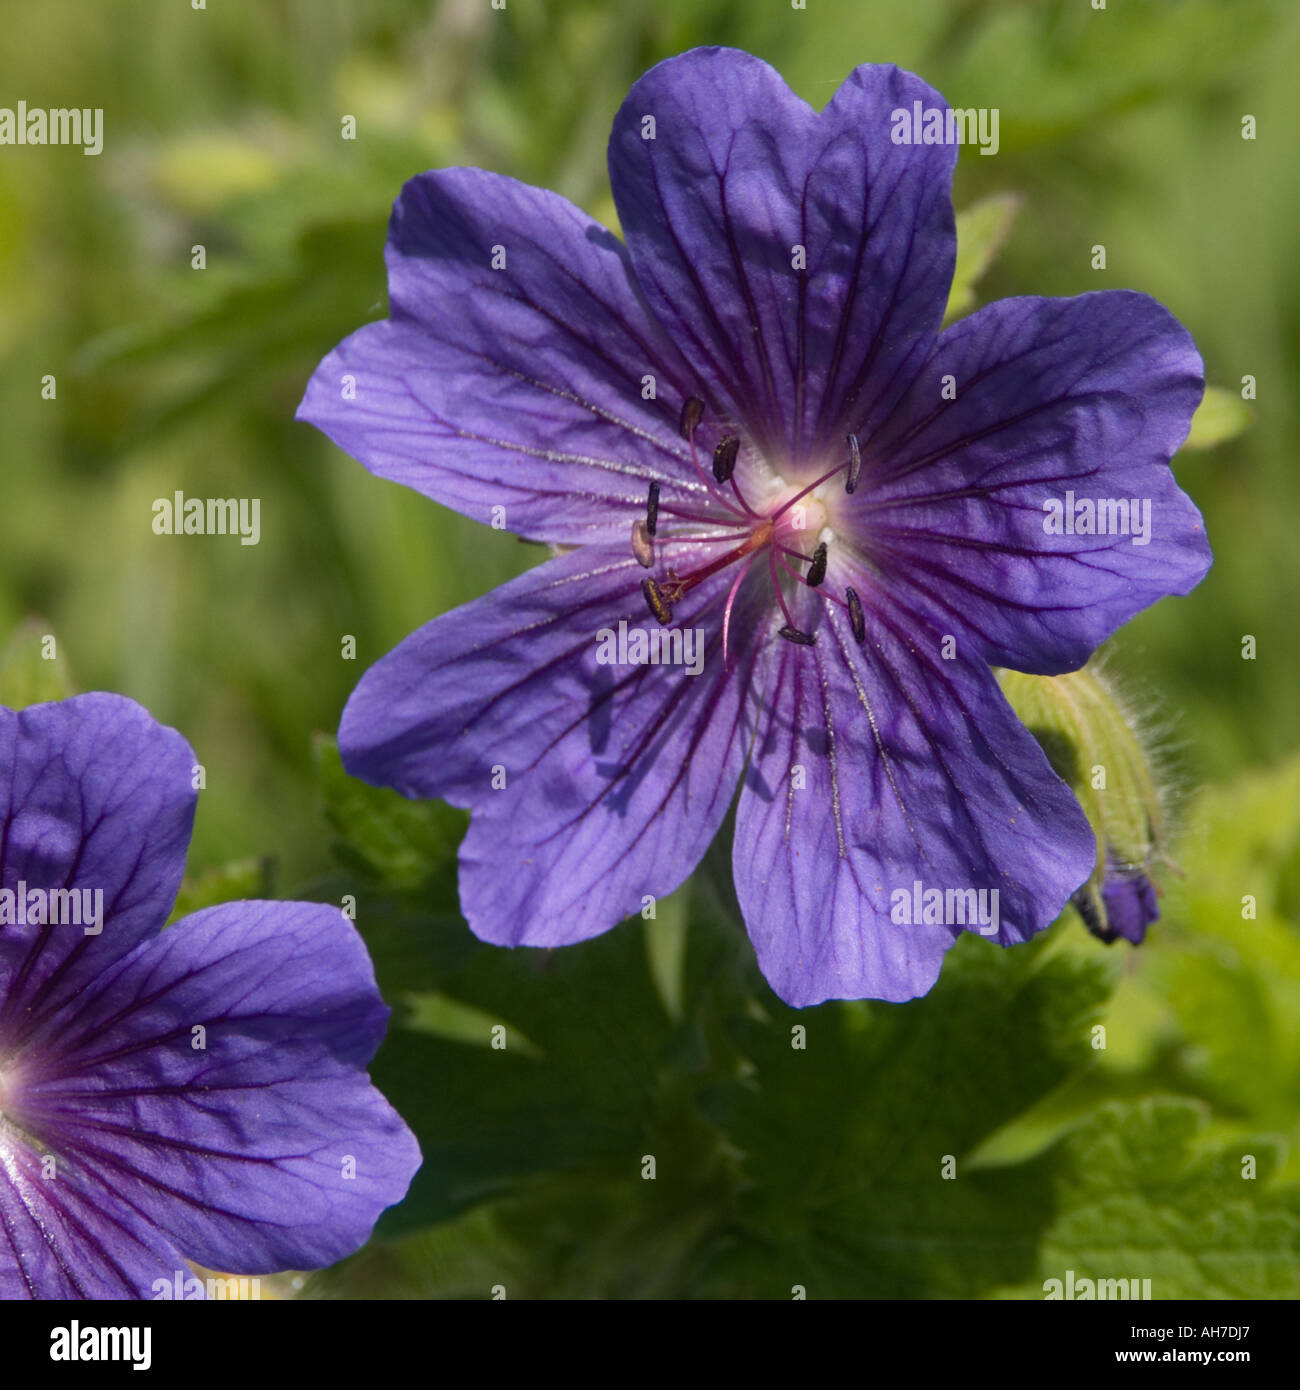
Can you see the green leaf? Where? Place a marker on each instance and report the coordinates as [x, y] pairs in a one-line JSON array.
[[981, 230], [33, 668], [845, 1156], [243, 878], [1243, 834], [664, 1127], [786, 1157], [1227, 963], [564, 1239], [1210, 1004], [1221, 415], [463, 1258], [381, 835], [1135, 1196], [845, 1140], [665, 940], [427, 1011], [573, 1089]]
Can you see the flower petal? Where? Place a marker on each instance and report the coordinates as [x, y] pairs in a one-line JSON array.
[[521, 386], [1088, 396], [95, 796], [719, 195], [234, 1141], [67, 1236], [914, 769], [592, 784]]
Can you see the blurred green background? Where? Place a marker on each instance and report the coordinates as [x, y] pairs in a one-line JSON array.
[[223, 129]]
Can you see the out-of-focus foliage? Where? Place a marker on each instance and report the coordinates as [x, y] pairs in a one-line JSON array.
[[1119, 128], [960, 1146]]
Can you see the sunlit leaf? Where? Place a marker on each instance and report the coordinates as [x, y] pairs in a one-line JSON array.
[[981, 230], [1220, 416]]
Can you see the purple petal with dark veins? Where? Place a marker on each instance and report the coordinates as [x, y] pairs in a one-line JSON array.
[[1089, 396], [738, 175], [615, 777], [256, 1144], [875, 769], [68, 1236], [521, 387], [95, 795]]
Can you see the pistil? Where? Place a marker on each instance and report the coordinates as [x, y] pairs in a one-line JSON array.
[[676, 586]]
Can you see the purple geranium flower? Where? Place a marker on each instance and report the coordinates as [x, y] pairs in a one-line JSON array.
[[197, 1093], [750, 426]]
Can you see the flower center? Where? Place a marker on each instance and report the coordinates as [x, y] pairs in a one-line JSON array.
[[790, 528], [10, 1128], [8, 1100]]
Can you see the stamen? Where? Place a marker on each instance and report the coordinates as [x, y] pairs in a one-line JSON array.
[[652, 510], [817, 570], [856, 620], [799, 579], [776, 584], [731, 599], [655, 601], [685, 538], [724, 457], [855, 464], [800, 639], [692, 414], [642, 546]]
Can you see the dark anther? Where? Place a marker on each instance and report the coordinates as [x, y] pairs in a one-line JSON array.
[[692, 414], [855, 464], [817, 570], [652, 510], [724, 457], [800, 639], [656, 602], [642, 546], [856, 620]]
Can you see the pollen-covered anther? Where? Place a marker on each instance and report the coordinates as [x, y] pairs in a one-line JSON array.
[[655, 601], [643, 547], [793, 634], [652, 510], [724, 457], [856, 621], [692, 414], [855, 464], [817, 570]]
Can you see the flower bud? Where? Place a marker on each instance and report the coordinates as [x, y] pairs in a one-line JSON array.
[[1093, 743]]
